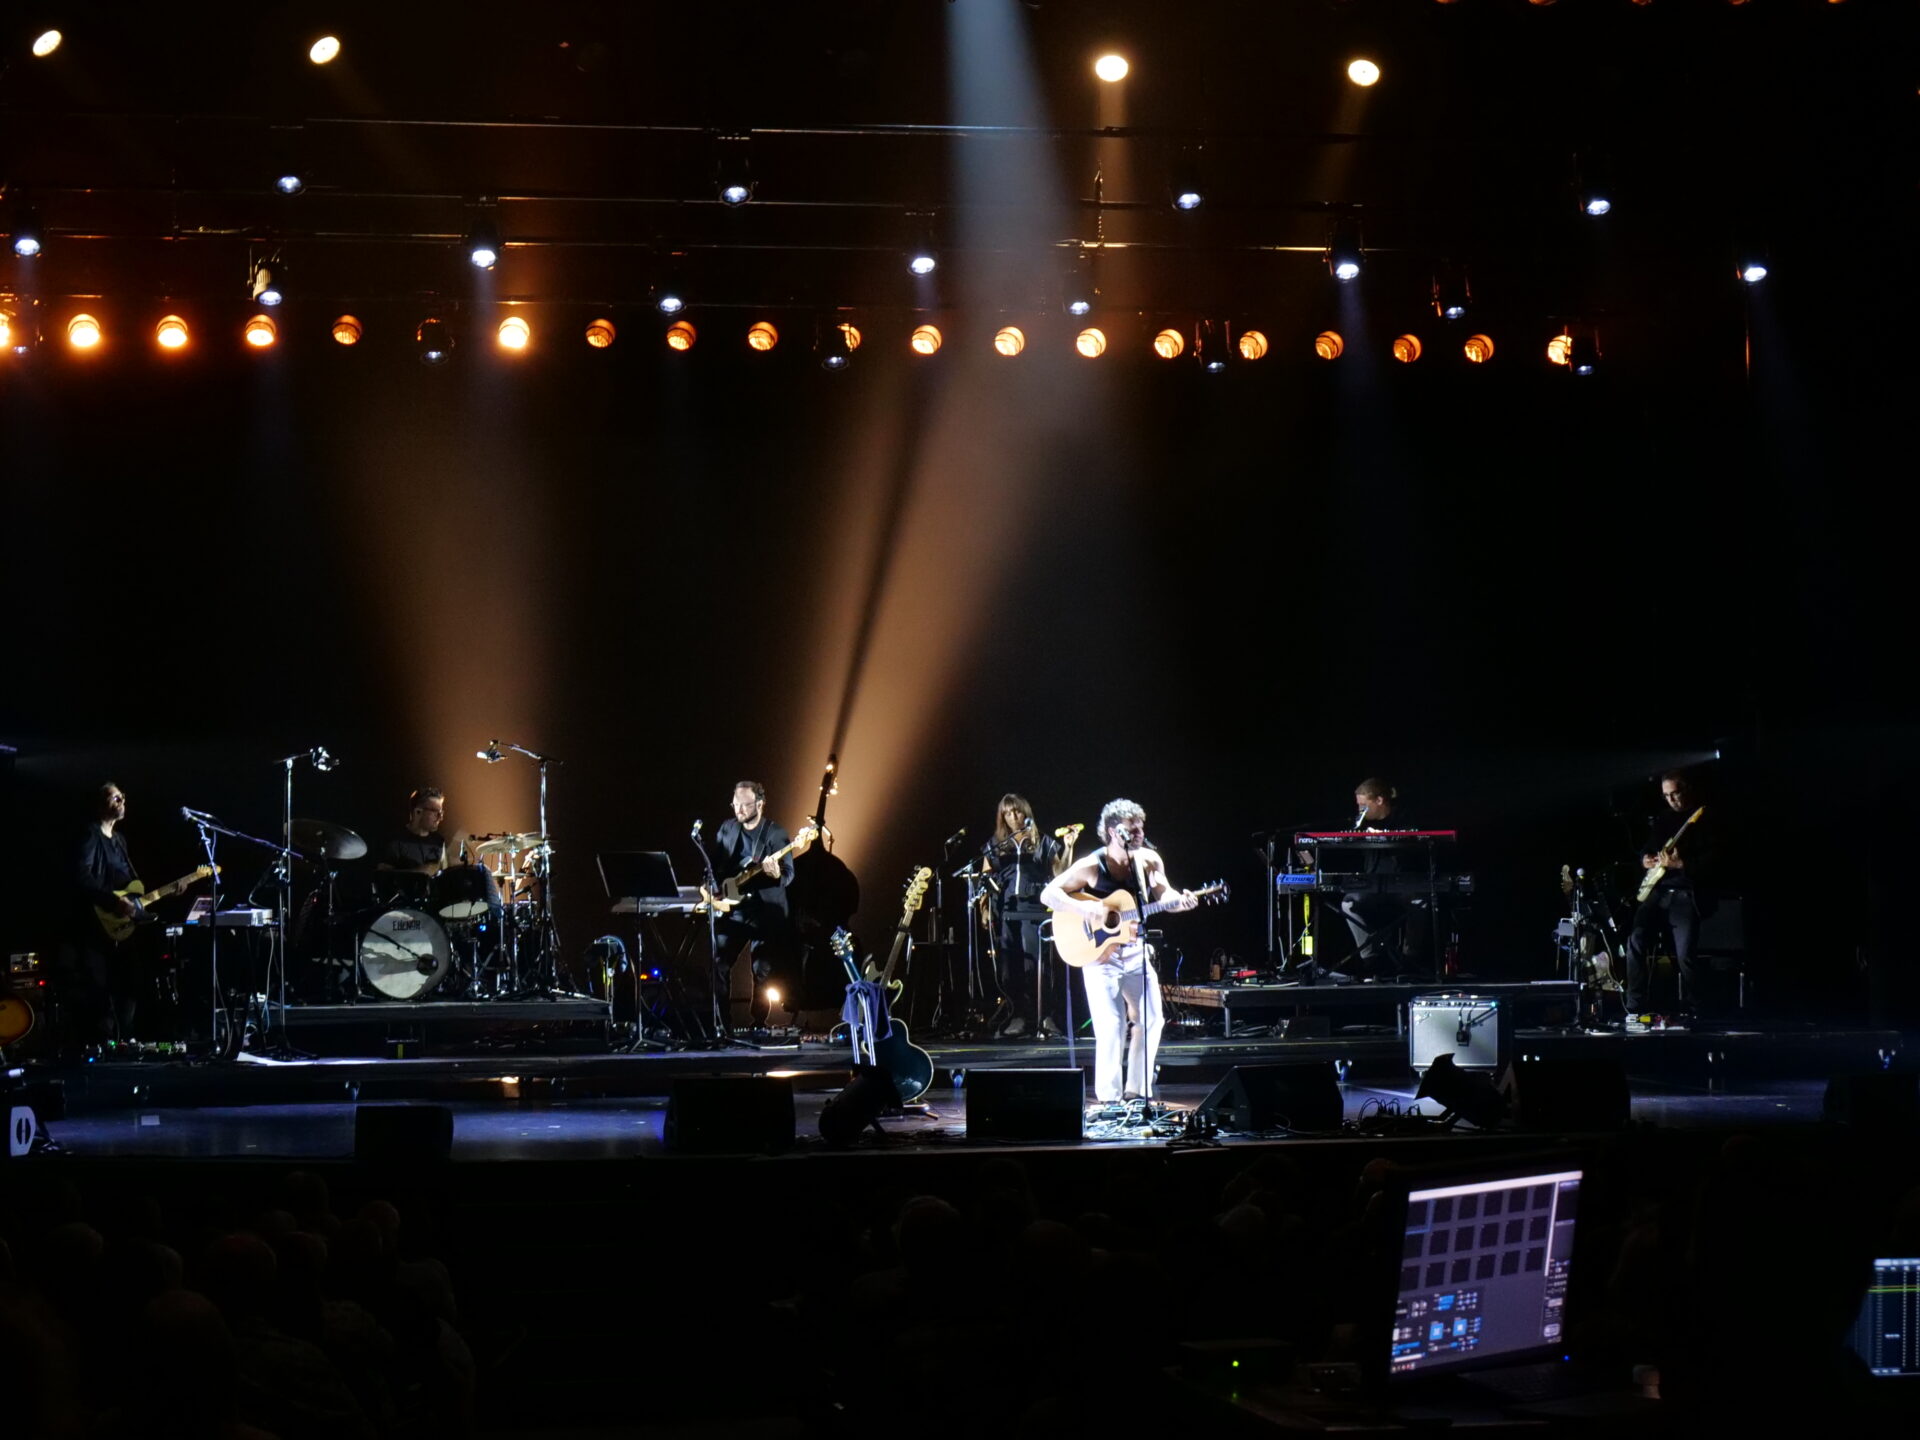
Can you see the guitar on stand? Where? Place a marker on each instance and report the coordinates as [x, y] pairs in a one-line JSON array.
[[895, 1055], [1084, 941]]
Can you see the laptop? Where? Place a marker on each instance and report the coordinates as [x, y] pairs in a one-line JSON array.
[[1887, 1334], [642, 875], [1486, 1265]]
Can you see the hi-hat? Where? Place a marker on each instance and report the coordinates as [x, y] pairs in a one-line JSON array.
[[507, 844], [320, 837]]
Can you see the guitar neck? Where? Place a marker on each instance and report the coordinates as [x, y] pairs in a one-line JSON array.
[[893, 956]]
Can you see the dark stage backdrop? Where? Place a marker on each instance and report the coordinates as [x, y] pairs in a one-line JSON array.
[[1516, 596]]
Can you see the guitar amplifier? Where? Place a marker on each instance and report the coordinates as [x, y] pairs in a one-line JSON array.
[[1476, 1030]]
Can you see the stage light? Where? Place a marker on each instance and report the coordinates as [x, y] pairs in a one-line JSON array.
[[483, 242], [681, 335], [1558, 348], [1593, 180], [324, 50], [1406, 348], [514, 333], [773, 996], [1328, 345], [288, 183], [260, 332], [1213, 366], [170, 333], [1363, 72], [1583, 355], [1111, 68], [733, 169], [1343, 250], [434, 340], [1091, 343], [1753, 272], [923, 256], [1169, 344], [836, 345], [346, 330], [1596, 205], [83, 332], [1009, 340], [761, 335], [922, 262], [925, 339], [1478, 349], [1462, 1094], [46, 42], [668, 300], [1078, 292], [600, 333], [27, 235], [1252, 345], [265, 283], [6, 329], [1186, 186], [1451, 294]]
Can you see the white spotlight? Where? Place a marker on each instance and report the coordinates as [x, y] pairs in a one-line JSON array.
[[1111, 68], [1753, 272]]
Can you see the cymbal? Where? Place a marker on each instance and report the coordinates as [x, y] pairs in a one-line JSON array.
[[334, 842], [508, 844]]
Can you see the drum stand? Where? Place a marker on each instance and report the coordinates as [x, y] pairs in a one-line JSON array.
[[544, 984]]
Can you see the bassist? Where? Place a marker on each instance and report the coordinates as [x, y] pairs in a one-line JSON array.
[[1124, 987], [101, 976], [748, 840], [1679, 899]]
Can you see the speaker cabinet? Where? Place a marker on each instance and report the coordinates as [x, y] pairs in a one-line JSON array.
[[730, 1115], [1883, 1100], [402, 1134], [1300, 1095], [1026, 1105], [1580, 1093]]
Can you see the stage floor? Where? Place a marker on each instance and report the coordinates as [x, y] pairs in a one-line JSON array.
[[504, 1129]]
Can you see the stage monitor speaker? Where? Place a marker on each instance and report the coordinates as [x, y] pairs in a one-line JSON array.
[[1299, 1095], [407, 1134], [730, 1115], [1883, 1100], [1577, 1093], [1026, 1105]]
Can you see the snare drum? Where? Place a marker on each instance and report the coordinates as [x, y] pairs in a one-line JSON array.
[[404, 954], [463, 892]]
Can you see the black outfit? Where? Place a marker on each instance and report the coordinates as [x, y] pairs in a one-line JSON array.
[[478, 944], [1681, 900], [101, 977], [1379, 922], [761, 917], [1018, 873], [405, 850]]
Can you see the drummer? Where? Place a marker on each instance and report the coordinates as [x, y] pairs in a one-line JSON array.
[[423, 850]]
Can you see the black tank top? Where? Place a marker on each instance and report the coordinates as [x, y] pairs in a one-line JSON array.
[[1104, 884]]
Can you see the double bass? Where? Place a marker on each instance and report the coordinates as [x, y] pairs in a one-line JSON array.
[[822, 898]]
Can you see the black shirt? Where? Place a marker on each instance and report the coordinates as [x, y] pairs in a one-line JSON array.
[[1698, 847], [101, 868], [734, 848], [405, 850], [1017, 870]]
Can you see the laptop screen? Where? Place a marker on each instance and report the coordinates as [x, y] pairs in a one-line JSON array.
[[1887, 1334], [1483, 1272]]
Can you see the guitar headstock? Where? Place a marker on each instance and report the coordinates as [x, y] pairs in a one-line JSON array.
[[803, 842], [841, 944], [916, 892], [1566, 880], [1213, 894]]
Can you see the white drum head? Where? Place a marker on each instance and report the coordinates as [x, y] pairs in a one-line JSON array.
[[404, 954]]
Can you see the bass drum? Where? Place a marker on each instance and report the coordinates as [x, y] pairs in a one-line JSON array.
[[404, 954]]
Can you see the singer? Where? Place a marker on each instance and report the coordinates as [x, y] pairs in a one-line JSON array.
[[1017, 861], [1123, 988]]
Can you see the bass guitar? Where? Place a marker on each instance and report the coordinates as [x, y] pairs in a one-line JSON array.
[[734, 888], [883, 975], [1083, 940], [119, 927], [1658, 871], [908, 1066]]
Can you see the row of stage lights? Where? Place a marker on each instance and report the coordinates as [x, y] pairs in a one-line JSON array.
[[834, 344]]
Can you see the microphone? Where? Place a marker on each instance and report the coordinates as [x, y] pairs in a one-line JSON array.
[[957, 836], [491, 754], [696, 828], [196, 816], [1360, 820], [322, 760]]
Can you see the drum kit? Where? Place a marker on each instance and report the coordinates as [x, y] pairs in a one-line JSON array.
[[475, 931]]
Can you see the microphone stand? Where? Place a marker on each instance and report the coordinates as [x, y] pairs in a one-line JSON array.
[[217, 1017], [548, 966], [720, 1031], [283, 876]]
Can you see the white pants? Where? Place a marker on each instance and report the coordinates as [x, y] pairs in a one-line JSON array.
[[1116, 994]]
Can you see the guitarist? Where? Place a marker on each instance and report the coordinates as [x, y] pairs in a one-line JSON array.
[[101, 974], [749, 840], [1124, 987], [1679, 901]]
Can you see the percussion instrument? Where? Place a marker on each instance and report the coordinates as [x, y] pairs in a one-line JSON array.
[[404, 954], [462, 892]]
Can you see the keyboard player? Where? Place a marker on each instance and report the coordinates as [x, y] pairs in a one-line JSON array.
[[1377, 919]]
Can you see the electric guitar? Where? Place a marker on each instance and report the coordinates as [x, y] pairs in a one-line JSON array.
[[908, 1066], [1082, 940], [1657, 872], [916, 892], [119, 927], [734, 888]]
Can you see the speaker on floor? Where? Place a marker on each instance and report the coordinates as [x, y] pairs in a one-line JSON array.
[[1026, 1105], [1886, 1100], [1299, 1095], [730, 1115], [1567, 1093], [402, 1134]]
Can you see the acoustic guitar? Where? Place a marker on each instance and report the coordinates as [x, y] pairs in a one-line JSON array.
[[1082, 940], [119, 927], [734, 888], [16, 1019], [1658, 872]]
